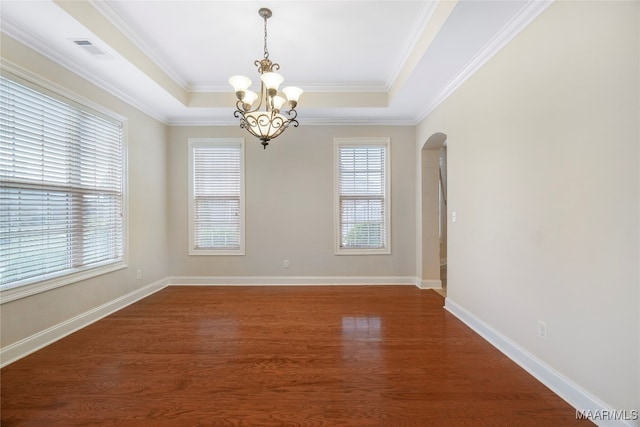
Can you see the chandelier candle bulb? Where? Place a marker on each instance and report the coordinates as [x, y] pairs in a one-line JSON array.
[[269, 122], [293, 94], [278, 102], [249, 98], [272, 81], [240, 85]]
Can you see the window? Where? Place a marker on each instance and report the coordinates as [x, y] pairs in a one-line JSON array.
[[216, 201], [362, 196], [62, 211]]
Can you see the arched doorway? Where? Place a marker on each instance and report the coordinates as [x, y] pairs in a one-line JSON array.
[[433, 165]]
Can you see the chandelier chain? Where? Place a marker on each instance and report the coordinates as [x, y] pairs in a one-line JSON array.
[[266, 51]]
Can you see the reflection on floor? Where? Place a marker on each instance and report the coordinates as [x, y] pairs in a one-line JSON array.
[[278, 356]]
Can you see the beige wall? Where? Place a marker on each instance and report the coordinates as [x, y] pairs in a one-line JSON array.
[[289, 205], [543, 166], [146, 141], [289, 208], [543, 156]]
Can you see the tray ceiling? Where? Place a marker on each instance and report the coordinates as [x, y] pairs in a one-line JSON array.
[[359, 62]]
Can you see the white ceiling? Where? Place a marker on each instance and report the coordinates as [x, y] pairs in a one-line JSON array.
[[386, 62]]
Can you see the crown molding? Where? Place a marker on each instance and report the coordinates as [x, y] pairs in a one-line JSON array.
[[424, 18], [528, 13], [518, 23], [116, 20], [308, 121], [28, 75], [369, 87], [65, 61], [119, 24], [203, 121], [349, 121]]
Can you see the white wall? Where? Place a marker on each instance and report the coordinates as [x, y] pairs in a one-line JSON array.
[[146, 141], [543, 157], [289, 205]]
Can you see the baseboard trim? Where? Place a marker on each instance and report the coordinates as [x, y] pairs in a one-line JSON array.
[[35, 342], [291, 280], [573, 394], [430, 284]]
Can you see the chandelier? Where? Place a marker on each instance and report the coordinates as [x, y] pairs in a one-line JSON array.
[[266, 121]]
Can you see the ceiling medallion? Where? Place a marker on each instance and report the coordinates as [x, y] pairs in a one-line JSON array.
[[266, 121]]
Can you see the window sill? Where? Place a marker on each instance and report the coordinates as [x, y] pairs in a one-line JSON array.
[[220, 252], [24, 291], [363, 252]]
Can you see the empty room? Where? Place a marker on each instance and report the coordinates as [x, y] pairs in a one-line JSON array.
[[320, 213]]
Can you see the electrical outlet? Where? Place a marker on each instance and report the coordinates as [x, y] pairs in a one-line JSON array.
[[285, 263], [542, 330], [139, 274]]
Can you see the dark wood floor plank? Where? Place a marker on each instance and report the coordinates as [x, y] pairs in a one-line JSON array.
[[277, 356]]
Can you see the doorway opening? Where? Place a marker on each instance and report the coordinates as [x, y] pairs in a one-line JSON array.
[[442, 214], [434, 213]]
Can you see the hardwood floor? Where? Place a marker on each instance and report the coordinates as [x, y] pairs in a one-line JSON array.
[[277, 356]]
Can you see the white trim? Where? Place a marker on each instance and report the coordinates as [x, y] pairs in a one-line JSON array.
[[35, 342], [38, 80], [556, 382], [39, 340], [220, 142], [62, 94], [65, 61], [24, 291], [518, 23], [363, 87], [305, 121], [573, 394], [371, 141], [423, 19], [290, 280], [116, 20], [430, 284]]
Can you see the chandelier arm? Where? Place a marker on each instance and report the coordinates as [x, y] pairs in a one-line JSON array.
[[258, 63], [263, 96], [292, 114]]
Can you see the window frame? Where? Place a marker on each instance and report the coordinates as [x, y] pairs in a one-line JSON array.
[[218, 142], [384, 142], [53, 280]]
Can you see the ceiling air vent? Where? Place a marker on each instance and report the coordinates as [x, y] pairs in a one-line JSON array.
[[89, 47]]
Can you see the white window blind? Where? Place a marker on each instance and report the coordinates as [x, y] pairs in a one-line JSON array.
[[61, 194], [217, 199], [362, 195]]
